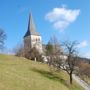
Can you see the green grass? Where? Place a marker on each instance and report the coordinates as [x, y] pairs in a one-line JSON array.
[[86, 79], [21, 74]]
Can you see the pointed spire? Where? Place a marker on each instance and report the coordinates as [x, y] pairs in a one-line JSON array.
[[31, 27]]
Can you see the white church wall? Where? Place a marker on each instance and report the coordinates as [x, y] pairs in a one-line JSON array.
[[36, 41]]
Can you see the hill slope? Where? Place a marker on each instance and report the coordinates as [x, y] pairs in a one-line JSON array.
[[22, 74]]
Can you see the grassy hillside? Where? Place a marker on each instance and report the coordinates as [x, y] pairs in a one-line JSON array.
[[22, 74]]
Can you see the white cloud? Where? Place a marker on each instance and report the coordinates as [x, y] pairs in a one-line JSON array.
[[62, 17], [61, 25], [83, 44]]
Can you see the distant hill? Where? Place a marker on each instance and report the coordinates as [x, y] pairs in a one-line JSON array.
[[84, 59]]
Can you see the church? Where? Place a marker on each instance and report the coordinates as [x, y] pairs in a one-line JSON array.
[[32, 38]]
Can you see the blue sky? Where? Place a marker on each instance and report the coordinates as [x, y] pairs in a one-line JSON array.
[[67, 19]]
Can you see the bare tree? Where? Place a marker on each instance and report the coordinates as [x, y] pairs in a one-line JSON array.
[[53, 51], [2, 38], [69, 63], [19, 50], [84, 69], [34, 54]]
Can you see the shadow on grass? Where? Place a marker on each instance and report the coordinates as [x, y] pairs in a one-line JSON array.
[[50, 76]]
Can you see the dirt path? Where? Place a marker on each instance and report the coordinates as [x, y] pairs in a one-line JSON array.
[[81, 82]]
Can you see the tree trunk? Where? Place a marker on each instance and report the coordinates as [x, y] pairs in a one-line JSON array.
[[70, 77]]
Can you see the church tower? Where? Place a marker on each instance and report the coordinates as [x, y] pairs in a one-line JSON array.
[[32, 38]]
